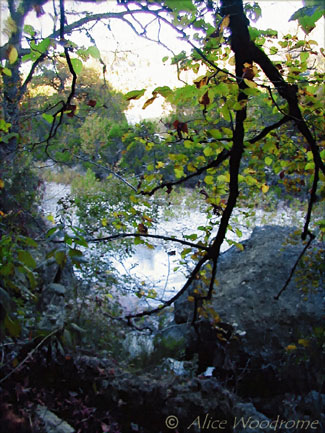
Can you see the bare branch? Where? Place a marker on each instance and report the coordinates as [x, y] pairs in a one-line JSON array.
[[142, 235], [109, 171], [174, 298], [311, 238], [312, 200], [30, 354], [29, 77]]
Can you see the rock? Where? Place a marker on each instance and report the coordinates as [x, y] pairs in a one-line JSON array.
[[248, 348], [172, 341], [248, 419], [52, 423], [248, 280], [57, 286]]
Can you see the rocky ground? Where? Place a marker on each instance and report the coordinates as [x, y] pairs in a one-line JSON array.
[[265, 360]]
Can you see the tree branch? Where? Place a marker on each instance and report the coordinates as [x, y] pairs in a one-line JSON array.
[[109, 170], [288, 92], [29, 77], [213, 164], [312, 200], [240, 40], [142, 235], [311, 238], [174, 298], [268, 129]]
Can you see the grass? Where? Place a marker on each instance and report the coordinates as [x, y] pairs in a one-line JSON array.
[[64, 175]]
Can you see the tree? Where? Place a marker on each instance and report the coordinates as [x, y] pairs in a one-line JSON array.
[[217, 152]]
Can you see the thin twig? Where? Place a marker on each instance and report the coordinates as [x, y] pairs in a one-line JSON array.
[[311, 238], [109, 170], [29, 355], [141, 235]]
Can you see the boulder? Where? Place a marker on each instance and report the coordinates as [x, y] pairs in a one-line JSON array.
[[248, 281]]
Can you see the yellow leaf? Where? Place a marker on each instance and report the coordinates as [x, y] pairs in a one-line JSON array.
[[240, 246], [225, 23], [2, 184], [216, 318], [190, 298], [149, 102], [50, 218], [303, 342], [291, 347], [250, 83], [2, 214], [13, 55], [104, 222], [265, 188]]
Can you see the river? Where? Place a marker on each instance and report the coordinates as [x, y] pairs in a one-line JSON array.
[[155, 266]]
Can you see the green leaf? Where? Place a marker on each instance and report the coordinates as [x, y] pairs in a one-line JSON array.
[[29, 241], [185, 252], [308, 15], [179, 172], [134, 94], [208, 151], [304, 56], [94, 52], [27, 57], [251, 91], [5, 299], [164, 59], [29, 30], [273, 50], [163, 91], [60, 257], [310, 166], [192, 237], [215, 133], [26, 258], [180, 5], [51, 232], [77, 65], [43, 46], [238, 233], [73, 252], [48, 117], [225, 113], [7, 72], [7, 269], [268, 160], [209, 180], [13, 55], [12, 326]]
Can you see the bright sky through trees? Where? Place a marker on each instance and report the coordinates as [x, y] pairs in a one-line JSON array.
[[134, 62]]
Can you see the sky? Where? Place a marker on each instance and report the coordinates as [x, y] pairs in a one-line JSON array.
[[135, 63]]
